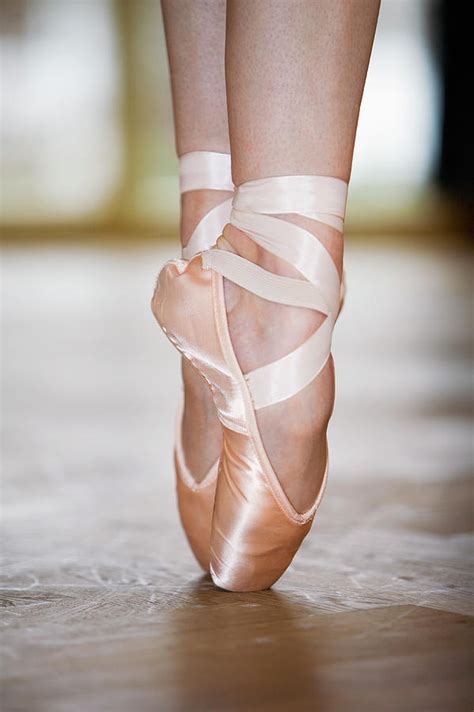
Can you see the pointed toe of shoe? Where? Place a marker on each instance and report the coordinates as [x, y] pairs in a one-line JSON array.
[[255, 530], [195, 505], [245, 571], [242, 579]]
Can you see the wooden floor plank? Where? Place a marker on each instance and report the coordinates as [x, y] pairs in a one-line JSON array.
[[103, 607]]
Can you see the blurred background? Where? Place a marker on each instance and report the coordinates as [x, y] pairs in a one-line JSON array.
[[87, 137], [104, 605]]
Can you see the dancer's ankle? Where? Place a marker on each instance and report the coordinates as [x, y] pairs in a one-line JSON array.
[[331, 239], [195, 205], [247, 248]]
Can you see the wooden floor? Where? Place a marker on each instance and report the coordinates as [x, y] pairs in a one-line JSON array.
[[104, 607]]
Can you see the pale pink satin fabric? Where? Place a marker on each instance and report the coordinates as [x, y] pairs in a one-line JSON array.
[[255, 529], [255, 204], [195, 501], [206, 170], [200, 170]]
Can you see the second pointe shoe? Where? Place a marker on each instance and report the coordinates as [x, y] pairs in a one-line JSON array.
[[255, 529], [200, 170]]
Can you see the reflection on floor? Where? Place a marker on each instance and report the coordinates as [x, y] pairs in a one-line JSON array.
[[105, 608]]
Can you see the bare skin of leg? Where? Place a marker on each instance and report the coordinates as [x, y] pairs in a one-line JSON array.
[[195, 38], [295, 73]]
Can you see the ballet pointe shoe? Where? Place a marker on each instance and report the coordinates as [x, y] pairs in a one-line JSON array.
[[200, 170], [195, 501], [255, 529]]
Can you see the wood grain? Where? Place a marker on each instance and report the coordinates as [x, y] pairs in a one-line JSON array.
[[103, 606]]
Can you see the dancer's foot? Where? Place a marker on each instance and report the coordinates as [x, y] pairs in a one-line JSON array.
[[256, 525], [201, 429], [293, 431]]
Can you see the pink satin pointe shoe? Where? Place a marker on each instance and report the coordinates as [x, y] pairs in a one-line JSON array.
[[200, 170], [256, 531]]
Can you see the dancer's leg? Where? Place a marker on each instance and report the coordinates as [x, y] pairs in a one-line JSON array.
[[195, 36], [295, 74]]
